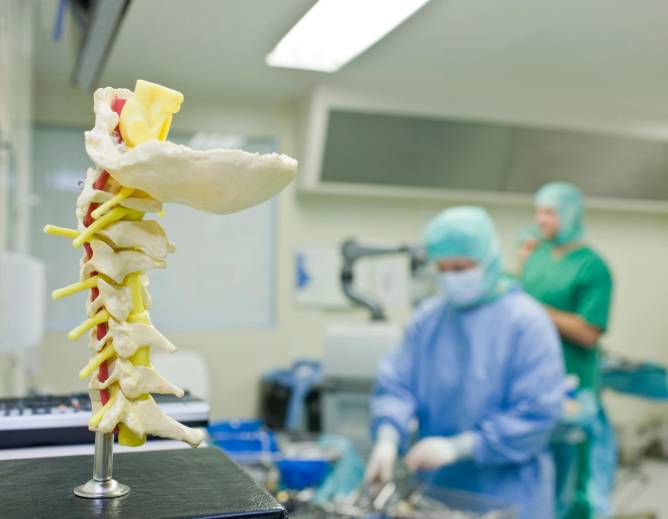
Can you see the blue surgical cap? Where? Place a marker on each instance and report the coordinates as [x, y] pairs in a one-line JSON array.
[[466, 232], [566, 200]]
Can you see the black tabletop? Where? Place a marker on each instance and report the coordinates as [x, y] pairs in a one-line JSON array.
[[198, 483]]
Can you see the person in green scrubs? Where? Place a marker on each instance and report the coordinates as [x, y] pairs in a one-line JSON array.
[[575, 285]]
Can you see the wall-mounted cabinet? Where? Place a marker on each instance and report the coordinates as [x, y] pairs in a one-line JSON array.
[[357, 150]]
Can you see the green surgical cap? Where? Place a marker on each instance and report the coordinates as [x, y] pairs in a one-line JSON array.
[[566, 200], [467, 232], [461, 232]]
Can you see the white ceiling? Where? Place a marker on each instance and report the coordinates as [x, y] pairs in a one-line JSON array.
[[610, 52]]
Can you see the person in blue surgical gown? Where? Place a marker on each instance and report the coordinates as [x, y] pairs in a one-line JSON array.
[[480, 369]]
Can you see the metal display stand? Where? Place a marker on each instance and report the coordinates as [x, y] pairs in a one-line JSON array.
[[102, 485]]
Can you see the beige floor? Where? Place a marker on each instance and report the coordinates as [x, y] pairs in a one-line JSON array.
[[642, 491]]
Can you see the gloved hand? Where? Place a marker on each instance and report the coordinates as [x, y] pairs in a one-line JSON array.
[[380, 468], [437, 451]]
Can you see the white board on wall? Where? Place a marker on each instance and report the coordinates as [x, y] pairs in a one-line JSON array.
[[221, 275], [318, 276]]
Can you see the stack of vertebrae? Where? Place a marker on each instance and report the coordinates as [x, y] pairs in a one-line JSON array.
[[120, 246]]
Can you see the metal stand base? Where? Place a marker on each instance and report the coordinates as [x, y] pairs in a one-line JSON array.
[[93, 489], [102, 486]]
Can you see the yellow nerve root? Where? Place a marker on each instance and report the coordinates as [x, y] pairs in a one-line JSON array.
[[101, 317], [54, 230], [94, 420], [88, 232], [91, 282], [106, 353], [124, 193]]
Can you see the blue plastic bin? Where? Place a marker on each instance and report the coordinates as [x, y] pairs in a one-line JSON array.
[[245, 441], [297, 474]]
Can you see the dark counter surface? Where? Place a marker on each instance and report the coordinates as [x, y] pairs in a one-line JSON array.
[[184, 483]]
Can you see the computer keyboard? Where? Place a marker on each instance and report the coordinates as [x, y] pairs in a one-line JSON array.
[[63, 419]]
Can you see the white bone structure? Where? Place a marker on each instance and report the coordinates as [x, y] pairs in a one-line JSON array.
[[220, 181], [217, 181]]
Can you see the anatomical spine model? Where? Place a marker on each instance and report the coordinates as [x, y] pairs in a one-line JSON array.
[[136, 171]]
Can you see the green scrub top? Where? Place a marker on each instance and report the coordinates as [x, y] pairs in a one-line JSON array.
[[578, 282]]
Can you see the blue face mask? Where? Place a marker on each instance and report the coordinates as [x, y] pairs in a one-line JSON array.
[[463, 288]]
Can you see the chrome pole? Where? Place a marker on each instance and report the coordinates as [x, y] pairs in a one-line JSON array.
[[102, 485]]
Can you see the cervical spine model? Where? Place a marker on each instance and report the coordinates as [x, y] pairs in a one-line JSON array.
[[136, 171]]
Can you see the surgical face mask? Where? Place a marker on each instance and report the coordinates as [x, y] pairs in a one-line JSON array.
[[463, 288]]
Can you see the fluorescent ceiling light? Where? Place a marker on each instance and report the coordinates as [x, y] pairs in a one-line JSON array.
[[333, 32]]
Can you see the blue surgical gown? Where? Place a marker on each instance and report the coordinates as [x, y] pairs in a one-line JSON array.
[[495, 370]]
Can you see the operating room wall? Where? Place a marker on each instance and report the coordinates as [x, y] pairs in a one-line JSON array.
[[633, 242], [15, 116]]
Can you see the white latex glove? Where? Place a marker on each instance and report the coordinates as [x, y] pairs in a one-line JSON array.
[[437, 451], [380, 468]]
